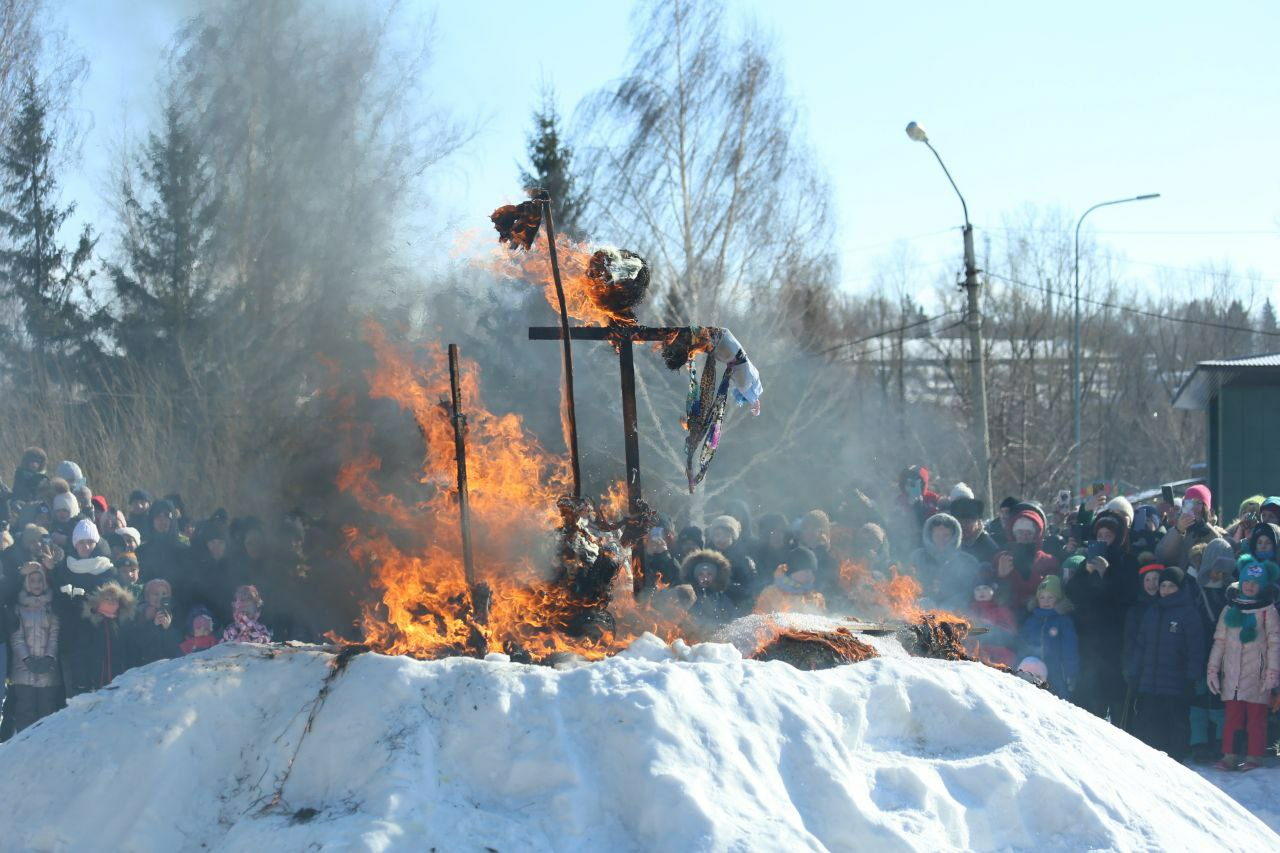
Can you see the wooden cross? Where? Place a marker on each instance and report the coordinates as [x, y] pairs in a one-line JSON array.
[[624, 337]]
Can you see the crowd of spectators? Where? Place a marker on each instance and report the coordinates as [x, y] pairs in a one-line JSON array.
[[1153, 617]]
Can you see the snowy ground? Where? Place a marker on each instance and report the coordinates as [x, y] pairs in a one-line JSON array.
[[1258, 791], [657, 749]]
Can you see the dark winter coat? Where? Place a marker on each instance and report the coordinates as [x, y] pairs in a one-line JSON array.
[[101, 649], [714, 604], [164, 556], [149, 642], [1169, 652], [1132, 623], [1051, 636], [983, 548], [1101, 602], [27, 484], [660, 567]]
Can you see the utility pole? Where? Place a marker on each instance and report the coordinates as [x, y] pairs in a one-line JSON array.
[[973, 320], [977, 369]]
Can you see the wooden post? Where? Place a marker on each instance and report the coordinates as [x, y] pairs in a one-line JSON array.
[[630, 427], [479, 592]]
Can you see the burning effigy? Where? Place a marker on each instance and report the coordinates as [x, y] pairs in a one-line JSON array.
[[498, 550]]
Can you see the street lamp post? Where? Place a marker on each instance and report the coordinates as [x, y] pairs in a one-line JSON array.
[[973, 320], [1075, 350]]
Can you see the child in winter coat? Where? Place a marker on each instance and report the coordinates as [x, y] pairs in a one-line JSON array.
[[200, 631], [794, 587], [710, 575], [1168, 657], [33, 638], [246, 607], [1049, 634], [1244, 664], [105, 654], [985, 611]]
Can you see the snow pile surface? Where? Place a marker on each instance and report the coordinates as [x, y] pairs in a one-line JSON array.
[[661, 748]]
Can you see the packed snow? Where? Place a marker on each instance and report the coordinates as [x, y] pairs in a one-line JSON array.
[[662, 747]]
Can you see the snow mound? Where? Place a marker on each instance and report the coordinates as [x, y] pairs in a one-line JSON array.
[[672, 748]]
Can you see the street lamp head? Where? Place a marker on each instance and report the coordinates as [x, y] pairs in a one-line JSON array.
[[916, 132]]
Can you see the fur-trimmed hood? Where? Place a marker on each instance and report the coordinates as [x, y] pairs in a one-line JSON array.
[[724, 572], [110, 589]]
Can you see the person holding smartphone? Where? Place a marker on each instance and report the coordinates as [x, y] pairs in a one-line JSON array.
[[1193, 526], [155, 634]]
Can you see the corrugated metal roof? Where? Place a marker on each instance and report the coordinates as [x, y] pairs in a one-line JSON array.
[[1198, 388]]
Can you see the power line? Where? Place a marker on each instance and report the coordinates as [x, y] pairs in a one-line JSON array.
[[914, 324], [1138, 311]]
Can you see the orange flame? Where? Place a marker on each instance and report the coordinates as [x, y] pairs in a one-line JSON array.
[[580, 291], [415, 563], [879, 597]]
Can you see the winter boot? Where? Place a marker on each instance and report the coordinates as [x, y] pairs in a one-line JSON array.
[[1252, 763], [1227, 763]]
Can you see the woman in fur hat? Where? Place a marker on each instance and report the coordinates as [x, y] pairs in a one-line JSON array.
[[30, 477]]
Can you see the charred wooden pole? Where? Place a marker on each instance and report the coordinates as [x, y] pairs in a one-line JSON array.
[[624, 339], [544, 198], [479, 592]]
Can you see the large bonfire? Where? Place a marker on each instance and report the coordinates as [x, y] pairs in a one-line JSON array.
[[552, 574]]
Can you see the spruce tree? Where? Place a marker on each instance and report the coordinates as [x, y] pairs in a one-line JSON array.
[[59, 331], [165, 286], [552, 167]]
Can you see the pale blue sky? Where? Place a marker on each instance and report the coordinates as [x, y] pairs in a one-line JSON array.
[[1051, 105]]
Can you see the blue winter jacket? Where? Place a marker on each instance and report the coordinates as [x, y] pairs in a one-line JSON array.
[[1169, 653], [1051, 636]]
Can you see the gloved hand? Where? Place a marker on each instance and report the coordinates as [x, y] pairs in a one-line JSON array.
[[39, 666], [1212, 680], [50, 664]]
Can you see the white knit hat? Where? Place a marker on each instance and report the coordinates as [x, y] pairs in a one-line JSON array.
[[67, 501], [961, 490], [86, 529], [1120, 506]]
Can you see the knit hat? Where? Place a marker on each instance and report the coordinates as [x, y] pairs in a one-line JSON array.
[[139, 495], [1009, 502], [1173, 575], [1150, 567], [726, 522], [130, 533], [1120, 506], [1071, 565], [1262, 573], [1253, 503], [71, 472], [85, 530], [1052, 584], [198, 612], [1200, 493], [817, 519], [1099, 560], [34, 454], [1034, 666], [99, 503], [960, 490], [66, 501], [126, 558], [801, 559], [966, 509], [1027, 520]]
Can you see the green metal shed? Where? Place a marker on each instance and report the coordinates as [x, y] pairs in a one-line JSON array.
[[1241, 399]]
